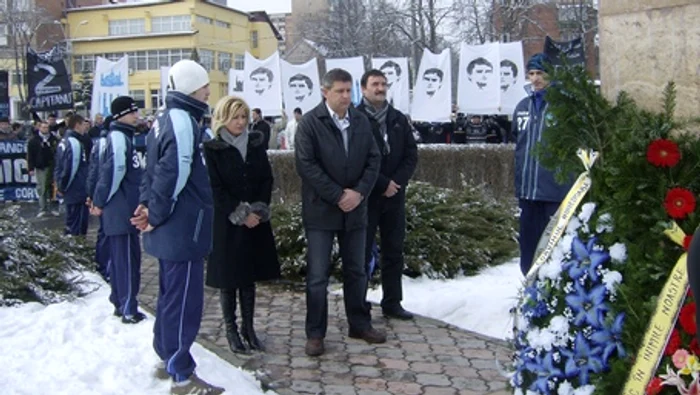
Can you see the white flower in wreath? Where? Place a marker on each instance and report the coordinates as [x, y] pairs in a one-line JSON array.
[[618, 253], [552, 269], [605, 223], [586, 212], [585, 390], [611, 281], [573, 225]]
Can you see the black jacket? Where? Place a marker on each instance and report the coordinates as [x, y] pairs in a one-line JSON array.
[[39, 155], [326, 170], [263, 127], [400, 159], [240, 256]]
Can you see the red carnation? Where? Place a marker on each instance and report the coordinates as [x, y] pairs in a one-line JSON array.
[[655, 386], [686, 242], [663, 153], [687, 319], [674, 343], [679, 203]]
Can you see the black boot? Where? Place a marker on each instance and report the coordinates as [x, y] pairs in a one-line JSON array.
[[227, 297], [247, 313]]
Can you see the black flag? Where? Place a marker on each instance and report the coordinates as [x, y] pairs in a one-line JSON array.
[[49, 82], [4, 94], [571, 50]]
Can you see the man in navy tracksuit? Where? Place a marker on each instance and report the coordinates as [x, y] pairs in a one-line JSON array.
[[538, 192], [98, 149], [71, 173], [115, 199], [176, 215]]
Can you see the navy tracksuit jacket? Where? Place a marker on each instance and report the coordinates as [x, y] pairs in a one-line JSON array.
[[71, 174], [101, 247], [117, 194], [176, 190]]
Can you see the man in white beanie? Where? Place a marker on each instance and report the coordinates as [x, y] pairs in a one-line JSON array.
[[175, 215]]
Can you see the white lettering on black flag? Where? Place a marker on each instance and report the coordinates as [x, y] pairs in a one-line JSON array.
[[301, 86], [48, 79], [356, 67], [262, 86], [396, 72], [111, 81], [432, 93]]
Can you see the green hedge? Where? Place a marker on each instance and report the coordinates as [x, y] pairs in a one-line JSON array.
[[449, 232], [448, 166]]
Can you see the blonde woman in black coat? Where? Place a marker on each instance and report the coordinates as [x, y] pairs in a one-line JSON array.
[[244, 247]]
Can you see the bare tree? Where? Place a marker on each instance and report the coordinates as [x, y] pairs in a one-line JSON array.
[[23, 25]]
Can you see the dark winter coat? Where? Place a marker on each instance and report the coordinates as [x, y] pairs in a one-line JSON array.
[[400, 159], [326, 170], [263, 127], [40, 155], [240, 255], [71, 169]]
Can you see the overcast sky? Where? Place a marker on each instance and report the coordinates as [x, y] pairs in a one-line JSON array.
[[271, 6]]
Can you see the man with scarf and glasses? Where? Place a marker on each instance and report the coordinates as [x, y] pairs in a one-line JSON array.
[[387, 202]]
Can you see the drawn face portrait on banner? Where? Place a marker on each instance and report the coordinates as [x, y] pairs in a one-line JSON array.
[[509, 74], [479, 72], [432, 78], [261, 78], [301, 87], [392, 72]]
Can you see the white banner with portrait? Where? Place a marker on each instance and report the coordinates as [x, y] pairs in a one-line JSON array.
[[513, 76], [164, 71], [398, 87], [235, 82], [479, 87], [262, 88], [111, 80], [432, 92], [301, 86], [356, 67]]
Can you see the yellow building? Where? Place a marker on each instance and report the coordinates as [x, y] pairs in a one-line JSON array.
[[159, 33]]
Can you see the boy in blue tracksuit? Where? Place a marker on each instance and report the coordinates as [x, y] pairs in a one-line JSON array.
[[176, 215], [71, 174], [539, 194], [98, 149], [115, 199]]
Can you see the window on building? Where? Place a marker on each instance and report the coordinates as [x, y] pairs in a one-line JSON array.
[[224, 61], [83, 63], [17, 77], [21, 5], [156, 101], [254, 39], [239, 62], [206, 59], [573, 13], [126, 27], [139, 97], [204, 19], [4, 35], [163, 58], [140, 61], [173, 23], [223, 24]]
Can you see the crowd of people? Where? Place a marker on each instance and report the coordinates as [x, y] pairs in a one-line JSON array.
[[203, 194]]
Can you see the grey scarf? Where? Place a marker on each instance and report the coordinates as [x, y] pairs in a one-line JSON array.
[[239, 142], [380, 117]]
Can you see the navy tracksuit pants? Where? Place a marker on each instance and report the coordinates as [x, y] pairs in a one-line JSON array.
[[77, 216], [102, 252], [534, 217], [125, 271], [178, 315]]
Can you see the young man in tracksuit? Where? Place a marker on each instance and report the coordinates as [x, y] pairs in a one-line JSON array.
[[115, 199], [539, 194], [176, 214], [71, 173], [98, 150]]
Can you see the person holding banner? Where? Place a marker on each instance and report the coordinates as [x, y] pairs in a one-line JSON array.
[[387, 202], [539, 194], [41, 151], [71, 173], [176, 214], [115, 197], [338, 162]]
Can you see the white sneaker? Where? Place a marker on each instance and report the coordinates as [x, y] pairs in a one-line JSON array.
[[55, 213], [41, 214]]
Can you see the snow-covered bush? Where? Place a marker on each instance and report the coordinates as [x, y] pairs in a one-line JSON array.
[[39, 265]]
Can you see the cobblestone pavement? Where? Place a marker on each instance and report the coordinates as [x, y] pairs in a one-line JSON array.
[[421, 357]]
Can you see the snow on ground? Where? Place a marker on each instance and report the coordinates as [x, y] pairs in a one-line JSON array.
[[80, 348], [480, 303]]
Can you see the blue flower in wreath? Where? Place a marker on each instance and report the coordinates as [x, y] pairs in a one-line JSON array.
[[588, 307], [610, 338], [535, 305], [586, 259], [546, 371], [582, 360]]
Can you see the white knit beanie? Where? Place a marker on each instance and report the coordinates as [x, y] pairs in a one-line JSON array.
[[186, 76]]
